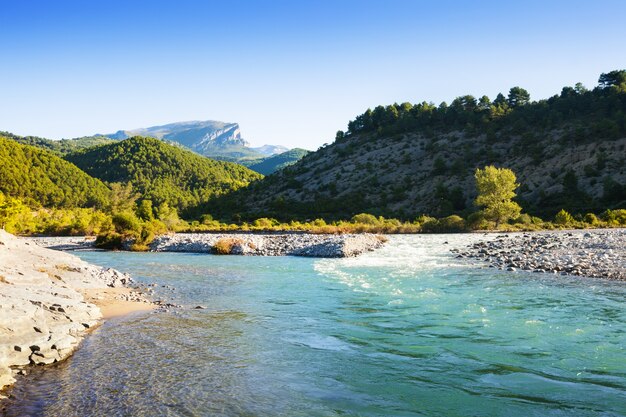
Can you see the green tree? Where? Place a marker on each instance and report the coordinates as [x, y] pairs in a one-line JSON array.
[[9, 208], [518, 97], [122, 197], [496, 187], [563, 218], [615, 78], [145, 211]]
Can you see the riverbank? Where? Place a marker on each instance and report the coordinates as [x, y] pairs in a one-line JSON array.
[[49, 301], [589, 253]]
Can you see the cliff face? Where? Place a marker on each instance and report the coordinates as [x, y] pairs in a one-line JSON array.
[[208, 138]]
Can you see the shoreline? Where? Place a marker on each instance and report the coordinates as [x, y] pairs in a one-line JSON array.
[[117, 302], [51, 300]]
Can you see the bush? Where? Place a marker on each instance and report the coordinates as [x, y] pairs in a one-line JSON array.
[[591, 219], [563, 218], [110, 240], [365, 218], [615, 217], [127, 223], [477, 221], [265, 223], [523, 219], [224, 246]]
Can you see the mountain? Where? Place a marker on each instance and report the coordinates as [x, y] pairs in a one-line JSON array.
[[163, 173], [43, 178], [270, 150], [209, 138], [274, 163], [60, 147], [404, 160]]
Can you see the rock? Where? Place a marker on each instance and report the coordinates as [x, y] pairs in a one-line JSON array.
[[43, 316]]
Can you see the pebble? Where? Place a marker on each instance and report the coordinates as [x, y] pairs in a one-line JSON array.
[[268, 244], [597, 253]]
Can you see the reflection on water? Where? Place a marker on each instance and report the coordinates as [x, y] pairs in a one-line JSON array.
[[405, 331]]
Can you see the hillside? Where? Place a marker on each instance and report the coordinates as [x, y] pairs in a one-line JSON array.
[[61, 147], [274, 163], [405, 160], [42, 178], [162, 172]]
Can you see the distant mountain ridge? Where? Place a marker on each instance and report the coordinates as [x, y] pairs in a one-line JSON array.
[[270, 150], [209, 138]]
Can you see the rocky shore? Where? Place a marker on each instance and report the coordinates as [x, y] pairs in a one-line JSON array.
[[49, 300], [588, 253], [293, 244]]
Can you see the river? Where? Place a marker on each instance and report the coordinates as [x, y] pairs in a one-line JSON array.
[[407, 330]]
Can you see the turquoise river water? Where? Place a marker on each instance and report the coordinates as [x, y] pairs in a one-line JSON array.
[[405, 331]]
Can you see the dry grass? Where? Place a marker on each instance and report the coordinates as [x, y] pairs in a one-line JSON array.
[[224, 246]]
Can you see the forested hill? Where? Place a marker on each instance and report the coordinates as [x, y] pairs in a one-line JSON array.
[[279, 161], [404, 160], [60, 147], [162, 172], [42, 178]]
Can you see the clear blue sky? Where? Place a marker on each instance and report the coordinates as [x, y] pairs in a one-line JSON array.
[[290, 72]]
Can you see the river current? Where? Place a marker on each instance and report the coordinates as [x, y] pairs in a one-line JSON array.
[[408, 330]]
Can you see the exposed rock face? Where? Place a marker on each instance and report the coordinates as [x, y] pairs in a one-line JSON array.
[[295, 244], [207, 137], [43, 316], [589, 253], [269, 150]]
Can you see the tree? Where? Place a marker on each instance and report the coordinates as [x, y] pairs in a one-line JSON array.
[[145, 211], [518, 97], [614, 78], [9, 208], [122, 197], [496, 187]]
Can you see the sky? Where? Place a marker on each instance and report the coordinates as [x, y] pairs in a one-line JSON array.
[[290, 73]]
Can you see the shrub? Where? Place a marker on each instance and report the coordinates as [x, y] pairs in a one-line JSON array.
[[477, 221], [452, 223], [224, 246], [591, 219], [523, 219], [265, 223], [127, 223], [365, 218], [615, 217], [111, 240], [563, 218]]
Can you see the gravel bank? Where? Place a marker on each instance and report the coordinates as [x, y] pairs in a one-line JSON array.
[[588, 253], [294, 244]]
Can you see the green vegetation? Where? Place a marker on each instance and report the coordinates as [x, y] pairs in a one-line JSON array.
[[40, 178], [496, 187], [404, 160], [60, 147], [394, 164], [163, 173], [274, 163], [602, 106]]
